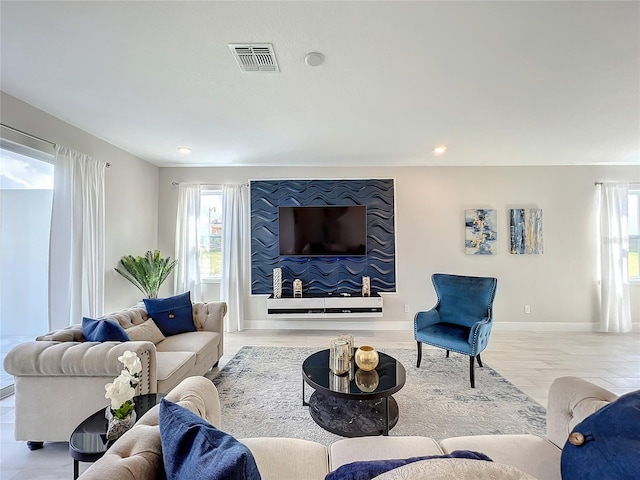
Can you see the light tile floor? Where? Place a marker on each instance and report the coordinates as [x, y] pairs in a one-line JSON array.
[[530, 360]]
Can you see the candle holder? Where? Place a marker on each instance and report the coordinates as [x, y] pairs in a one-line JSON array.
[[349, 339], [339, 360]]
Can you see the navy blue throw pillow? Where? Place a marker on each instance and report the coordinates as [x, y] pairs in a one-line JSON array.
[[367, 470], [172, 315], [106, 330], [606, 444], [192, 448]]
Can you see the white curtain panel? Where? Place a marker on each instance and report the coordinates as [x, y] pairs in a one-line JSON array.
[[615, 304], [186, 276], [76, 245], [235, 254]]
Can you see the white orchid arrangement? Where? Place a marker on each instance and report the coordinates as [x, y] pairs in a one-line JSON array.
[[123, 388]]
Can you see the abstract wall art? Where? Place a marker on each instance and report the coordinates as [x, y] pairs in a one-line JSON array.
[[480, 231], [526, 231]]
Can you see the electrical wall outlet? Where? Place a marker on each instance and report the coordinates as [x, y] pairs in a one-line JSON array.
[[406, 308], [527, 309]]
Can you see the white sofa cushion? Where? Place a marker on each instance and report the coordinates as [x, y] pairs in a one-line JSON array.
[[172, 368], [288, 458], [204, 344], [534, 455]]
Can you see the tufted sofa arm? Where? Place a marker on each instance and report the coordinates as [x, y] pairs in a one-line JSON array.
[[81, 359], [571, 400], [138, 453], [210, 317]]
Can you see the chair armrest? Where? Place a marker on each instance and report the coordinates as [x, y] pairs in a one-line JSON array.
[[81, 359], [424, 319], [479, 334], [571, 400]]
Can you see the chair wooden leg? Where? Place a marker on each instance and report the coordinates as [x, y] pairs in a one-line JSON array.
[[447, 353], [471, 371], [419, 354], [479, 361]]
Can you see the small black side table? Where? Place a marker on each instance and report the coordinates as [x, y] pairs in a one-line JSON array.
[[88, 441]]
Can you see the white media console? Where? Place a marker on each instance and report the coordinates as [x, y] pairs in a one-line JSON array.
[[329, 306]]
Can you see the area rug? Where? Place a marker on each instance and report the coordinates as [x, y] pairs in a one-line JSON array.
[[260, 393]]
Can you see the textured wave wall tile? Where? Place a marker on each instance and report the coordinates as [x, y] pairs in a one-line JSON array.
[[327, 273]]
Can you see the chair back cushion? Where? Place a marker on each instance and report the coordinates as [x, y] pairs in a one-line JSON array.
[[464, 300]]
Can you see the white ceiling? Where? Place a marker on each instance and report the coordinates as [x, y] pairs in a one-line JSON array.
[[500, 83]]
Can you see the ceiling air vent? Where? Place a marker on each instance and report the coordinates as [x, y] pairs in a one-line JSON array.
[[255, 58]]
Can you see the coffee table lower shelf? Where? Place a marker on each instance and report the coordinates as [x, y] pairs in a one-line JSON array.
[[354, 418]]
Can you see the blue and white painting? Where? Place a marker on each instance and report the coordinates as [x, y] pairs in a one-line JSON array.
[[526, 231], [480, 231]]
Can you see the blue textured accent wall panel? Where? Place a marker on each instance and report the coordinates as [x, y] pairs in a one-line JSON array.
[[323, 274]]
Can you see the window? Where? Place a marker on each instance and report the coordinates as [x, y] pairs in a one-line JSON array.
[[26, 194], [210, 235], [634, 235]]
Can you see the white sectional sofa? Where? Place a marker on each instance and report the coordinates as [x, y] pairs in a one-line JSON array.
[[60, 377], [138, 453]]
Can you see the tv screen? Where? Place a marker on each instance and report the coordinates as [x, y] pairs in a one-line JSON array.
[[327, 230]]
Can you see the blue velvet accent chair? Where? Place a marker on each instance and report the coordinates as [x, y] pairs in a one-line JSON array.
[[461, 319]]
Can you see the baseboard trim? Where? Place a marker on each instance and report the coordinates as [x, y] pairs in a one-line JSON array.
[[347, 325], [377, 325], [545, 327]]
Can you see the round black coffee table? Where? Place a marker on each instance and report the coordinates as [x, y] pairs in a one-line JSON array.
[[357, 404], [88, 441]]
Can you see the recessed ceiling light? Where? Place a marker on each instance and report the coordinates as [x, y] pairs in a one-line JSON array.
[[440, 149], [314, 59], [184, 150]]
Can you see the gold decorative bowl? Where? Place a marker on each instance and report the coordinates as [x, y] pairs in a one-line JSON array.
[[366, 358]]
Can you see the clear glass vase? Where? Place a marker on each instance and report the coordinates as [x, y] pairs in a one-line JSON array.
[[339, 360], [117, 426]]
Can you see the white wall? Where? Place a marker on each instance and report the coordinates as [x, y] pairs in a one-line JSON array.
[[559, 285], [131, 192], [430, 202]]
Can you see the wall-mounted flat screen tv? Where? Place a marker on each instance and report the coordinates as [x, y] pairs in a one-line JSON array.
[[323, 230]]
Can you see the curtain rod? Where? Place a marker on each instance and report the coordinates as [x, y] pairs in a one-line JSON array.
[[175, 184], [34, 137], [630, 183], [28, 135]]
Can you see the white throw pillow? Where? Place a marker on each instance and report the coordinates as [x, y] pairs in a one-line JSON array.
[[146, 331], [458, 468]]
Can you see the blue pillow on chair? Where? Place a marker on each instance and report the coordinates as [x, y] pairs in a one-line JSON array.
[[193, 448], [606, 444], [172, 315], [106, 330]]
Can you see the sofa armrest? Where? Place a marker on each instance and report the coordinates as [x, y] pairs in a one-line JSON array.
[[571, 400], [72, 333], [210, 317], [138, 453], [81, 359]]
